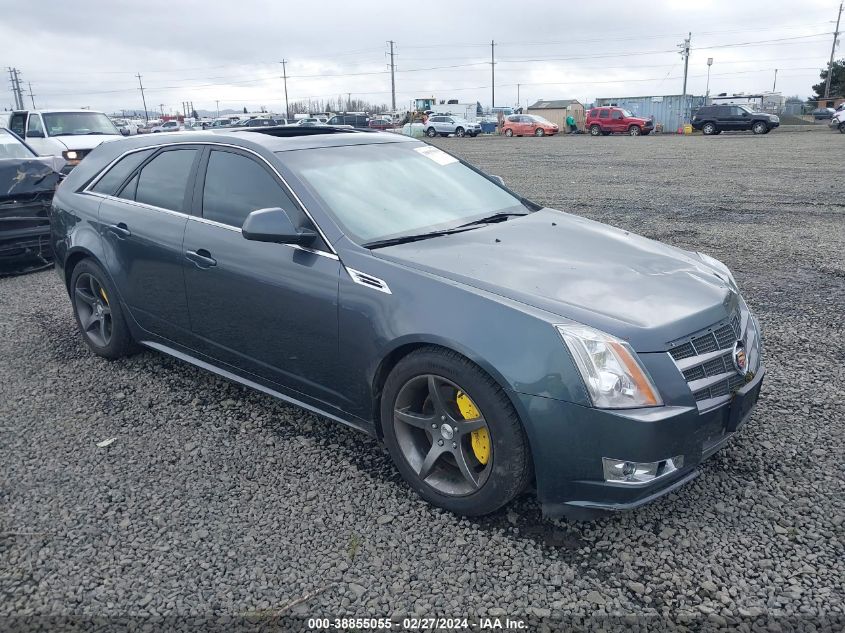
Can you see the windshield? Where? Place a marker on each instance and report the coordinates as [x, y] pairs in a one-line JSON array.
[[381, 191], [78, 123], [11, 147]]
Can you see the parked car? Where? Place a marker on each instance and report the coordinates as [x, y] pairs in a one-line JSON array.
[[309, 122], [381, 124], [444, 125], [352, 120], [838, 120], [27, 183], [125, 127], [489, 342], [716, 119], [169, 126], [612, 120], [823, 114], [70, 134], [261, 122], [528, 125]]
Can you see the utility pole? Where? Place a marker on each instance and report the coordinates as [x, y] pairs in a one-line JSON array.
[[285, 79], [31, 96], [492, 75], [392, 78], [517, 95], [775, 84], [161, 107], [707, 92], [685, 54], [217, 102], [17, 91], [146, 116], [832, 53]]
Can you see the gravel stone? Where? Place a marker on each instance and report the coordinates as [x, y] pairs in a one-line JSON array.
[[219, 501]]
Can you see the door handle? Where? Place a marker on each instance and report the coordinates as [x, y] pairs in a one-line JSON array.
[[120, 230], [201, 258]]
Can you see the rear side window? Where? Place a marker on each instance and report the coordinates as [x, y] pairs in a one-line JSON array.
[[603, 114], [235, 186], [118, 174], [594, 113], [162, 182]]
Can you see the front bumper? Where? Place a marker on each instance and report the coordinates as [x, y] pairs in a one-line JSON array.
[[569, 442]]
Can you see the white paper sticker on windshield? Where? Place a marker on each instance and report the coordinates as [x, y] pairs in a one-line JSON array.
[[438, 156]]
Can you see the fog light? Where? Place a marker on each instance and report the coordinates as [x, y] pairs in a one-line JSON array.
[[628, 472]]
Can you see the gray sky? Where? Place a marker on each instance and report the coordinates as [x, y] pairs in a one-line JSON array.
[[86, 53]]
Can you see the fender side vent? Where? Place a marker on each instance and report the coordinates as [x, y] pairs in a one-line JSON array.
[[369, 281]]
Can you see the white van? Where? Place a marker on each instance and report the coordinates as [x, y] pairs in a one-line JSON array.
[[70, 134]]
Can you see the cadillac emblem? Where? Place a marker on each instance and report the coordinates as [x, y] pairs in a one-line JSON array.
[[740, 358]]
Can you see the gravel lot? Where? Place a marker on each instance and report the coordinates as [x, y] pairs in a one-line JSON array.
[[217, 500]]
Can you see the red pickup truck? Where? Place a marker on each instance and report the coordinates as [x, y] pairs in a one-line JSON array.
[[610, 120]]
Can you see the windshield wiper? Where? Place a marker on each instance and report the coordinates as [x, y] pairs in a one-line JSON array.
[[405, 239], [496, 217]]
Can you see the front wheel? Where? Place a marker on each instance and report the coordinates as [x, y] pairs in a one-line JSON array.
[[634, 130], [509, 132], [595, 130], [759, 128], [98, 313], [431, 132], [460, 132], [453, 433], [539, 132]]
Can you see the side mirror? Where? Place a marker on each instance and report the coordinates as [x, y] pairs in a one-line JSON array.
[[35, 134], [274, 225], [498, 179]]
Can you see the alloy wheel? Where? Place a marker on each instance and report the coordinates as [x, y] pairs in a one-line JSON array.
[[539, 132], [443, 435], [634, 131], [92, 306], [595, 130]]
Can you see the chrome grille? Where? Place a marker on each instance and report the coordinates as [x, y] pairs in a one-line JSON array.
[[704, 359]]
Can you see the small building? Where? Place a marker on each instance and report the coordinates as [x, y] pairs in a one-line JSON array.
[[556, 111], [670, 112]]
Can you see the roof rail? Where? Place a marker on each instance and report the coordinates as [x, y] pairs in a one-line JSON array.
[[284, 131]]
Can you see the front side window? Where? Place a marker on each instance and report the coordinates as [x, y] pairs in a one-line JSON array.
[[388, 190], [616, 115], [118, 174], [235, 186], [34, 125], [163, 181], [78, 124]]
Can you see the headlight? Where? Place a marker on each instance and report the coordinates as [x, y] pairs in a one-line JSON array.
[[723, 270], [614, 377], [71, 155]]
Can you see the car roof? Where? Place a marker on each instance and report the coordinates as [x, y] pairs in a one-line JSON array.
[[55, 110]]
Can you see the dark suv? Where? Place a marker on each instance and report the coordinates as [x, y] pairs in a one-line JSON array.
[[716, 119]]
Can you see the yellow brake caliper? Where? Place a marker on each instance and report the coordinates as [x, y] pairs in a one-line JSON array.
[[480, 439], [105, 298]]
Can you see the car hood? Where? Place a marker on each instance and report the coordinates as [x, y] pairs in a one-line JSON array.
[[630, 286], [85, 141]]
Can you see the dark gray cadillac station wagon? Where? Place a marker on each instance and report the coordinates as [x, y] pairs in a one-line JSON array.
[[493, 345]]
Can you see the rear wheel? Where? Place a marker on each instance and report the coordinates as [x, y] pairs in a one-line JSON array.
[[509, 132], [842, 127], [709, 129], [431, 132], [539, 132], [634, 130], [595, 130], [759, 128], [453, 433], [98, 313]]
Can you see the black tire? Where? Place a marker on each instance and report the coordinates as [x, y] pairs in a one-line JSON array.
[[709, 128], [509, 132], [431, 132], [635, 130], [759, 127], [509, 470], [119, 342], [842, 128], [595, 130], [539, 132], [460, 132]]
